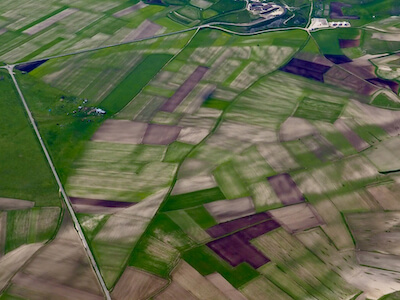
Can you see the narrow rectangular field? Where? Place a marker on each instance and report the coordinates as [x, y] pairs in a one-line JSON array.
[[286, 189], [184, 89]]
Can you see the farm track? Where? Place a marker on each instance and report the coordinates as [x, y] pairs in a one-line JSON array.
[[67, 201]]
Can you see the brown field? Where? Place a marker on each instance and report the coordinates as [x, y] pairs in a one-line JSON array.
[[297, 217], [225, 287], [145, 30], [61, 270], [121, 131], [195, 183], [97, 206], [389, 120], [184, 89], [342, 78], [12, 204], [277, 157], [294, 128], [137, 284], [226, 210], [384, 83], [161, 134], [379, 260], [358, 143], [128, 10], [192, 135], [173, 292], [50, 21], [343, 43], [315, 58], [376, 231], [306, 69], [10, 263], [286, 189], [360, 67], [232, 226], [386, 195], [192, 281]]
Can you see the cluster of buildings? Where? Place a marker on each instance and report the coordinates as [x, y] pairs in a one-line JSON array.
[[317, 23], [266, 10]]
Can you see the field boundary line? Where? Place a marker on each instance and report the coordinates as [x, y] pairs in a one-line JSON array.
[[77, 226]]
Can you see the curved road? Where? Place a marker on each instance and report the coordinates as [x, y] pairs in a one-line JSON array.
[[78, 228]]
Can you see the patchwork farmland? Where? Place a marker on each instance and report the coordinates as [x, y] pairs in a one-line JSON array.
[[203, 154]]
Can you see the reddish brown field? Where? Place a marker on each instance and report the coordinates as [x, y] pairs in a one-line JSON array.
[[184, 89], [362, 69], [348, 43], [161, 134], [342, 78], [387, 84], [232, 226], [286, 189], [236, 248], [337, 13], [306, 69], [85, 205], [338, 59]]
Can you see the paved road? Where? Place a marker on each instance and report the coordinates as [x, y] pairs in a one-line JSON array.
[[78, 228]]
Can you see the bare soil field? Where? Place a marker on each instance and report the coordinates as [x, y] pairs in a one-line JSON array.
[[286, 189], [297, 217], [3, 232], [358, 143], [121, 131], [225, 287], [376, 231], [13, 204], [184, 89], [277, 157], [137, 284], [130, 9], [295, 128], [342, 78], [234, 225], [345, 43], [145, 30], [379, 260], [226, 210], [10, 263], [161, 134], [192, 281], [338, 59], [192, 135], [50, 21], [386, 195], [306, 69], [61, 270], [175, 291], [192, 184], [321, 147]]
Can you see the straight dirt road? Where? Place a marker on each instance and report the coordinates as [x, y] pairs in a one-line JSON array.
[[78, 228]]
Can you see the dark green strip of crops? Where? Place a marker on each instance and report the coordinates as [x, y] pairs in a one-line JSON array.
[[42, 18], [193, 199], [134, 82]]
